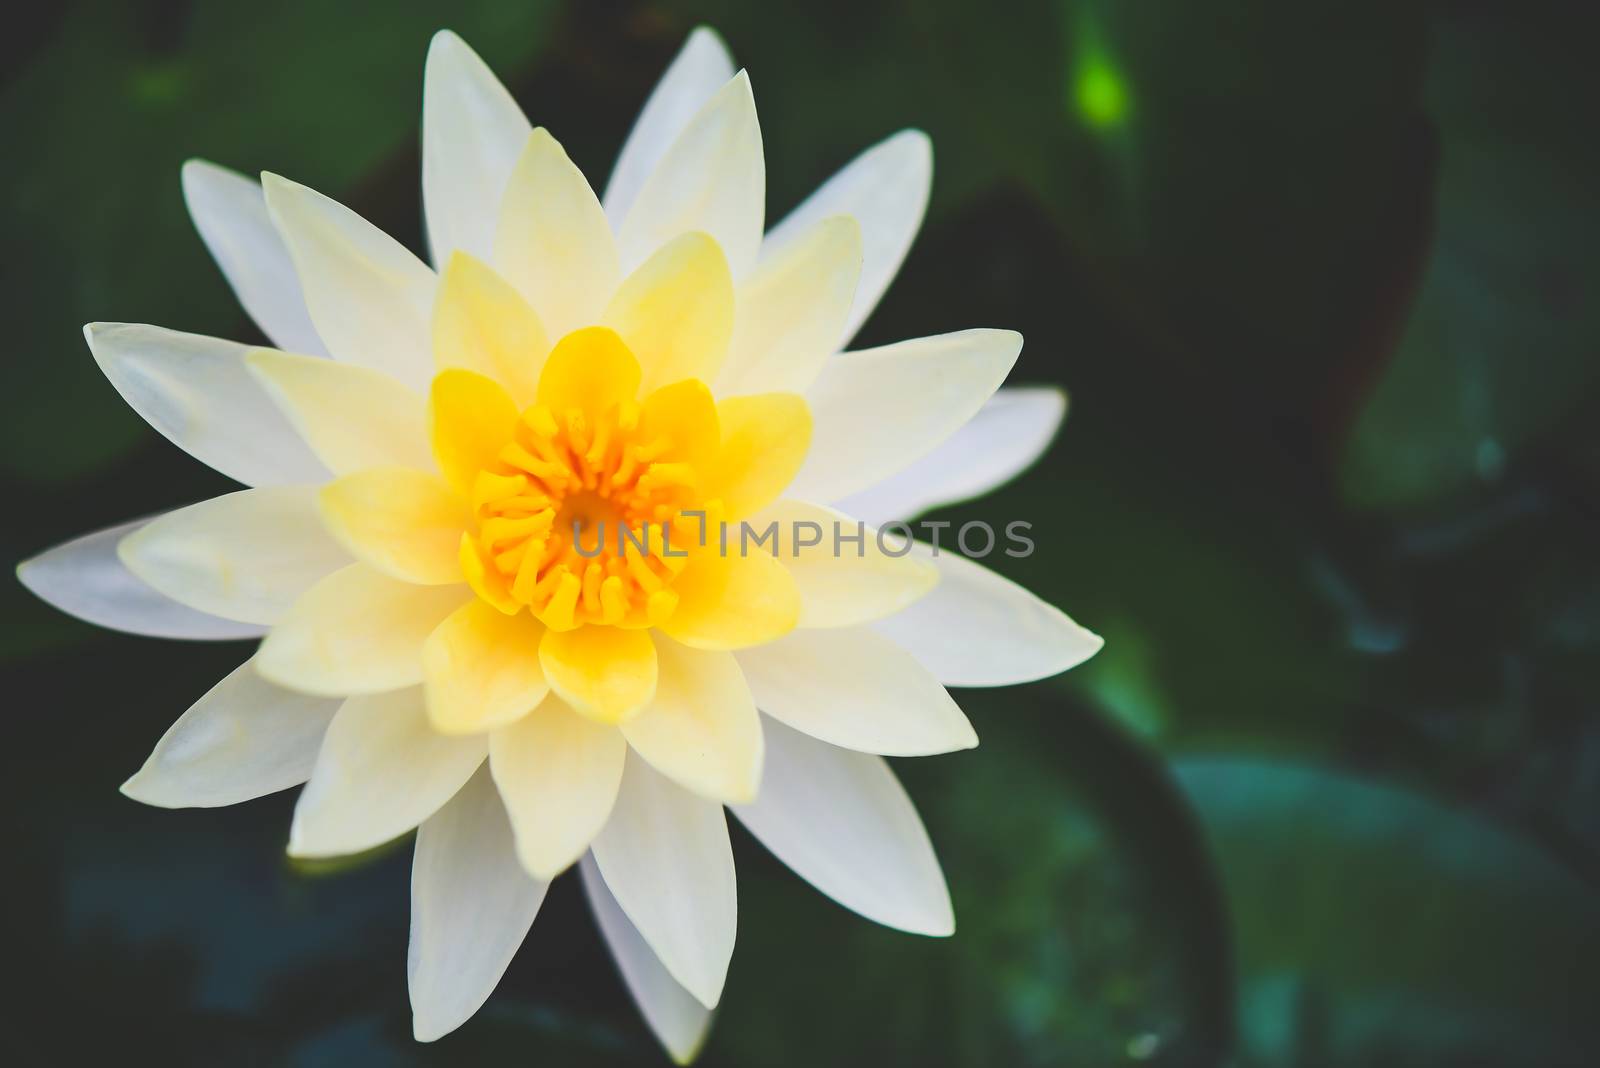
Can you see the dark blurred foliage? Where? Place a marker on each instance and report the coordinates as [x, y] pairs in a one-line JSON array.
[[1319, 277]]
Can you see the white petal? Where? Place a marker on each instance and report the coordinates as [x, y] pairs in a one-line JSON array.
[[701, 68], [245, 555], [1004, 439], [552, 242], [381, 771], [713, 179], [854, 688], [199, 394], [558, 773], [371, 299], [876, 411], [666, 858], [85, 578], [979, 629], [843, 822], [245, 738], [472, 131], [471, 907], [231, 215], [886, 189], [791, 310], [678, 1020]]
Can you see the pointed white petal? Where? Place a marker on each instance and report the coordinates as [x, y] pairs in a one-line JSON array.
[[701, 68], [666, 859], [381, 771], [559, 773], [701, 728], [876, 411], [552, 241], [245, 555], [843, 822], [471, 907], [678, 1020], [1004, 439], [979, 629], [472, 131], [370, 298], [791, 311], [854, 688], [231, 214], [886, 189], [199, 394], [713, 179], [245, 738], [85, 578]]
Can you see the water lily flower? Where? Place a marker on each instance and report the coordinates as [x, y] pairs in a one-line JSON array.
[[428, 450]]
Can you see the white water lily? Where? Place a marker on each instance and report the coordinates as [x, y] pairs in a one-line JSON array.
[[440, 655]]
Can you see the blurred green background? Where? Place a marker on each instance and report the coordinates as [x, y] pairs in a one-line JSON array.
[[1319, 278]]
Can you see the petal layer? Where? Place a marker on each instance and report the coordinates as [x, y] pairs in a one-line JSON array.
[[382, 770], [854, 688], [978, 628], [559, 773], [677, 1019], [676, 311], [553, 241], [199, 394], [85, 578], [1009, 433], [713, 178], [847, 572], [369, 297], [357, 631], [244, 556], [792, 311], [700, 68], [404, 522], [878, 410], [471, 907], [482, 324], [886, 189], [605, 673], [481, 669], [472, 131], [843, 822], [701, 730], [351, 417], [665, 857], [765, 438], [230, 213], [729, 602], [244, 739]]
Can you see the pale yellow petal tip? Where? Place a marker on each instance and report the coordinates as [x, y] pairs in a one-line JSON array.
[[139, 788]]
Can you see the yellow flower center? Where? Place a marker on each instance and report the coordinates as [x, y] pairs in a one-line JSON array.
[[577, 516], [578, 502]]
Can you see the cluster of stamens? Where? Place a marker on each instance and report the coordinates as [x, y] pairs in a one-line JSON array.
[[580, 520]]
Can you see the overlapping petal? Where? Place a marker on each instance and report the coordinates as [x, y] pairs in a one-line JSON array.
[[230, 212], [713, 178], [244, 739], [198, 393], [854, 688], [351, 417], [370, 298], [559, 773], [358, 631], [665, 857], [381, 771], [245, 556], [676, 311], [472, 131], [978, 628], [701, 729], [471, 907], [482, 324], [86, 578], [843, 822], [878, 410], [481, 669]]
